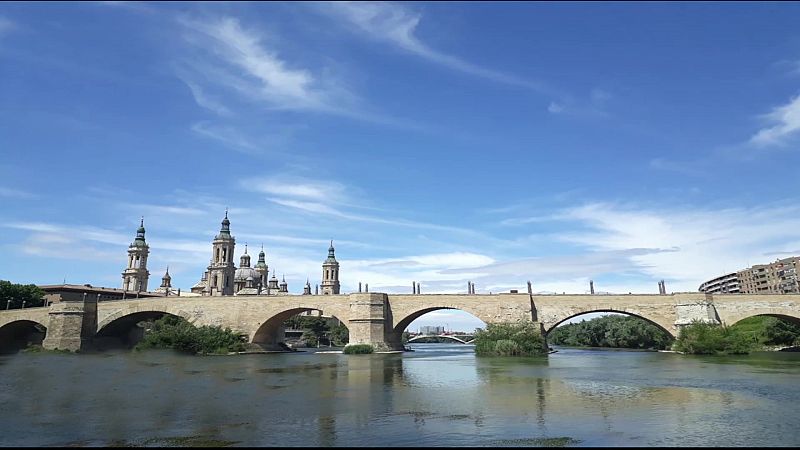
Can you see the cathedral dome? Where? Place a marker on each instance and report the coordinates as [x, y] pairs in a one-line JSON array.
[[243, 273]]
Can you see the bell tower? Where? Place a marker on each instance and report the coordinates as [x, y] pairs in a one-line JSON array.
[[330, 274], [135, 276], [222, 270]]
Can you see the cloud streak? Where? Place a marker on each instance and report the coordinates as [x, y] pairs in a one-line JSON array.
[[242, 60], [785, 124], [396, 25]]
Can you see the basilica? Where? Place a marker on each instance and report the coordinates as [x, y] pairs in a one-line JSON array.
[[222, 277]]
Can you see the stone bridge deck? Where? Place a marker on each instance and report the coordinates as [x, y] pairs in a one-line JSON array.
[[380, 319]]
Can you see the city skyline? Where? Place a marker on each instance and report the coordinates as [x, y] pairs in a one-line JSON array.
[[433, 142]]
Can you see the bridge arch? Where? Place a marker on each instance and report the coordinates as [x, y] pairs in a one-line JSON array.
[[269, 334], [120, 328], [789, 316], [665, 327], [18, 334], [395, 335]]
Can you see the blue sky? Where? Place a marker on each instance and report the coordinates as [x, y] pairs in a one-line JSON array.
[[434, 142]]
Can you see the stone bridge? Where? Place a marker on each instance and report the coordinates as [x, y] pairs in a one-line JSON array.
[[374, 318]]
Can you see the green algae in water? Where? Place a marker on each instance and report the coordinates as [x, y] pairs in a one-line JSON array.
[[538, 442]]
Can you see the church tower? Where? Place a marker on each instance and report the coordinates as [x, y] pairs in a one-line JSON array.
[[134, 278], [284, 286], [222, 270], [262, 269], [330, 273]]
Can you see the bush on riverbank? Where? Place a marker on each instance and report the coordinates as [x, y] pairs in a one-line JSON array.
[[770, 331], [358, 349], [611, 331], [178, 334], [701, 338], [748, 335], [510, 339]]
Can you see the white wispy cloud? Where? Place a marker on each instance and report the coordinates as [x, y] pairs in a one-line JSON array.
[[687, 246], [785, 124], [395, 24], [594, 106], [283, 186], [6, 25], [242, 60], [15, 193], [230, 136], [205, 101]]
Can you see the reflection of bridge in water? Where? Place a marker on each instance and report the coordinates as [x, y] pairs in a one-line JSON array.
[[462, 338]]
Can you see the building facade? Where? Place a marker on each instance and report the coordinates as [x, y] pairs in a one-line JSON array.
[[779, 277], [223, 278], [728, 283]]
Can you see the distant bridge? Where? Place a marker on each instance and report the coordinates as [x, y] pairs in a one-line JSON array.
[[371, 318], [462, 338]]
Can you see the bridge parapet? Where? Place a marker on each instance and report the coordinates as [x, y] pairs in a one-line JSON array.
[[380, 319]]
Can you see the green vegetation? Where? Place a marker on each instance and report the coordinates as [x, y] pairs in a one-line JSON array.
[[340, 335], [31, 294], [752, 334], [611, 331], [770, 331], [510, 339], [318, 331], [178, 334], [358, 349]]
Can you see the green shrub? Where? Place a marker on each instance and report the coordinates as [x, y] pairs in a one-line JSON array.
[[510, 339], [611, 331], [701, 338], [178, 334], [358, 349]]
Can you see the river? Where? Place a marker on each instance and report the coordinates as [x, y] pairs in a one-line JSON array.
[[438, 395]]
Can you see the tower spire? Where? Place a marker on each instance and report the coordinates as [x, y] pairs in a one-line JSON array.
[[135, 275]]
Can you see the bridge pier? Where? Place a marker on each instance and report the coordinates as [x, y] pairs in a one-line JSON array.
[[369, 314], [72, 324]]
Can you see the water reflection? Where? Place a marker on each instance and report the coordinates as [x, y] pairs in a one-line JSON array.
[[438, 395]]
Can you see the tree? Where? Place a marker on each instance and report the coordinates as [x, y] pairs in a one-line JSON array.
[[340, 335], [31, 294]]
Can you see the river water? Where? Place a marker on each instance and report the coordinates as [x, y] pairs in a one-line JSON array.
[[439, 395]]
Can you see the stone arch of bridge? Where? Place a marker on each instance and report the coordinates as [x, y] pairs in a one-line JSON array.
[[401, 323], [268, 333], [789, 317], [132, 313], [663, 326], [120, 330], [18, 334], [395, 335]]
